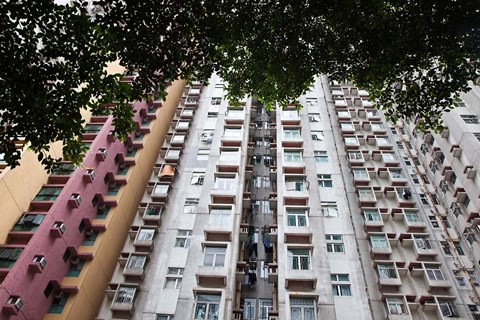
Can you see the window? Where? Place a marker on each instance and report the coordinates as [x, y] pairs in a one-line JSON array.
[[355, 155], [318, 136], [297, 217], [136, 261], [334, 243], [295, 183], [173, 279], [434, 272], [48, 194], [191, 205], [412, 216], [396, 306], [378, 241], [220, 215], [164, 317], [292, 156], [360, 173], [446, 248], [320, 156], [340, 285], [183, 238], [207, 306], [329, 209], [461, 281], [477, 135], [216, 101], [448, 308], [145, 234], [8, 256], [377, 126], [229, 155], [289, 114], [371, 215], [92, 128], [386, 271], [325, 180], [473, 277], [424, 199], [303, 309], [459, 248], [299, 259], [249, 306], [469, 118], [203, 154], [64, 169], [314, 117], [433, 167], [388, 156], [351, 140], [291, 133], [264, 306], [28, 222], [233, 132], [125, 294], [381, 141], [311, 102], [197, 178], [225, 183], [434, 221], [422, 243], [466, 202], [365, 193], [214, 256]]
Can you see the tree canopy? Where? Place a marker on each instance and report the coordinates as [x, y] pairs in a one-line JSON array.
[[414, 57]]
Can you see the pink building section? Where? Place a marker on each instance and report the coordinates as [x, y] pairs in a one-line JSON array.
[[28, 280]]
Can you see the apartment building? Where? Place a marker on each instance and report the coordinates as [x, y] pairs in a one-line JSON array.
[[61, 233], [217, 212]]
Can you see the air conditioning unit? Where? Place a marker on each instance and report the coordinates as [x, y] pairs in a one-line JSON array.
[[75, 200], [16, 301], [206, 137], [40, 260], [102, 154], [60, 226], [91, 173]]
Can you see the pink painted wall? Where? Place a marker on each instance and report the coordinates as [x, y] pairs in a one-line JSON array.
[[30, 286]]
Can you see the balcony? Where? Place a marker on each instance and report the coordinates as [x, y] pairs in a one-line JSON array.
[[177, 140], [394, 176], [423, 249], [158, 191], [134, 266], [402, 196], [124, 299], [367, 196], [152, 213], [273, 273], [171, 155], [211, 277]]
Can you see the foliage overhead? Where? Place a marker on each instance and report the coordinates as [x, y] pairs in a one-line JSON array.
[[414, 57]]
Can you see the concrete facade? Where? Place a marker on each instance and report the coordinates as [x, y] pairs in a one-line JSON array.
[[253, 214]]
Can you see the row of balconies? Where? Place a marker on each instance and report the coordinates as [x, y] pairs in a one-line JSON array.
[[133, 264]]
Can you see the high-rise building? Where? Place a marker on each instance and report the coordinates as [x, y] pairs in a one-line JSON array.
[[61, 234], [323, 212]]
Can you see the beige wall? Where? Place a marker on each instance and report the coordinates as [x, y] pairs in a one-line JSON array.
[[18, 186]]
